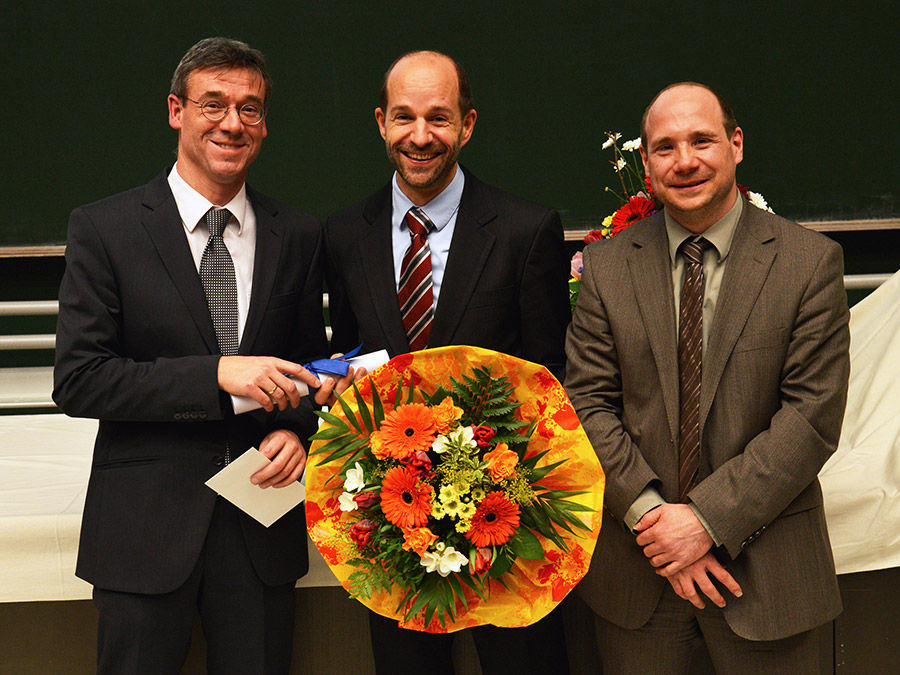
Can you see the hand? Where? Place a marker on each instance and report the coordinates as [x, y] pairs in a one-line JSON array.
[[263, 378], [696, 575], [672, 537], [326, 394], [288, 457]]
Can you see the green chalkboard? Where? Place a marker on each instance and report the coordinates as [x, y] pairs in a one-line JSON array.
[[815, 89]]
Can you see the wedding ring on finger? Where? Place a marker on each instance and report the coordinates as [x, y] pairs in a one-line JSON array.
[[274, 389]]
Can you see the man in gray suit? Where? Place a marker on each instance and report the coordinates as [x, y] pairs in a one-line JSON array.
[[711, 460]]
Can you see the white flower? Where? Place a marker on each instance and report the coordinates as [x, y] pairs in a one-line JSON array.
[[347, 502], [355, 480], [632, 146], [758, 201], [612, 138], [465, 436], [441, 444], [619, 165], [449, 560]]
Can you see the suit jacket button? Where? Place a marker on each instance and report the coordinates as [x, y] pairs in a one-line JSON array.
[[202, 414], [177, 416], [218, 460]]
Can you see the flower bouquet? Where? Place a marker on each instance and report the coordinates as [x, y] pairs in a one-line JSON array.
[[636, 198], [455, 487]]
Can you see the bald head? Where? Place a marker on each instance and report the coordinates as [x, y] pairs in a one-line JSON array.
[[728, 119], [438, 61]]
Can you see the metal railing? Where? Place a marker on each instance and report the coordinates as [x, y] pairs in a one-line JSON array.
[[30, 387]]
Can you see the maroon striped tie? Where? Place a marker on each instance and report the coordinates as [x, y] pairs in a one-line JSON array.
[[690, 350], [416, 293]]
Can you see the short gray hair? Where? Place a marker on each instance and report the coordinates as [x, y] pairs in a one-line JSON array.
[[220, 53]]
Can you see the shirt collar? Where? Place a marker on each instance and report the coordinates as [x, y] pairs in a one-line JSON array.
[[440, 209], [720, 234], [193, 206]]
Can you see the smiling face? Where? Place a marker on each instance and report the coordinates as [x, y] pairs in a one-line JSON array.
[[214, 157], [689, 157], [422, 125]]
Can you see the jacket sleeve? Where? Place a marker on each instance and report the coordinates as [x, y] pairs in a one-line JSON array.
[[94, 374], [743, 495]]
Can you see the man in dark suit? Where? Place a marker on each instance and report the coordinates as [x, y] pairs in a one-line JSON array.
[[498, 267], [711, 459], [140, 344]]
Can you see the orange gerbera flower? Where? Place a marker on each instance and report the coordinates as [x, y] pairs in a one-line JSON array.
[[494, 522], [501, 462], [407, 429], [405, 500], [445, 415]]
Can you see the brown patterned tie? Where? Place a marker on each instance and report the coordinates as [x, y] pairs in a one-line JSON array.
[[690, 349], [415, 291]]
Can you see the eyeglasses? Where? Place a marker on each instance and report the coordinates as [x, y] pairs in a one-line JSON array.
[[251, 114]]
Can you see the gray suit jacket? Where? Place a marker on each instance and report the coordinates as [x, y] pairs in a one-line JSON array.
[[772, 401]]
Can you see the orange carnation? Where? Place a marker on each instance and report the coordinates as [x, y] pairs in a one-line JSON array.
[[494, 522], [405, 500], [405, 430], [446, 414], [500, 462], [418, 539]]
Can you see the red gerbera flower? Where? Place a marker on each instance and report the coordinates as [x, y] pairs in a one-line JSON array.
[[637, 208], [405, 500], [494, 522]]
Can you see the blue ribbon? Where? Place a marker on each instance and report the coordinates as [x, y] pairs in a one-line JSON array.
[[338, 366]]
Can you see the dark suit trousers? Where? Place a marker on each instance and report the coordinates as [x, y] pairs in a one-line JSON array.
[[539, 648], [248, 626], [665, 644]]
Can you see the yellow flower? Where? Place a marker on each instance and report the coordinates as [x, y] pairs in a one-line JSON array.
[[448, 493], [451, 507], [437, 510], [464, 526], [466, 510]]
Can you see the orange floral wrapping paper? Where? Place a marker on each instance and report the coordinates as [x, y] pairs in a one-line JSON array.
[[535, 587]]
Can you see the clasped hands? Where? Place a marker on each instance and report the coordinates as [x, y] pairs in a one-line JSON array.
[[265, 379], [678, 546]]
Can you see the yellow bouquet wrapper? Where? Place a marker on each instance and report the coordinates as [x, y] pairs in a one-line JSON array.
[[533, 587]]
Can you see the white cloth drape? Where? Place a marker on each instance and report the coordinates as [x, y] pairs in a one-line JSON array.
[[861, 481]]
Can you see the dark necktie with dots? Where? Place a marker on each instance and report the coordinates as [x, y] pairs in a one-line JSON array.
[[690, 351], [219, 283], [416, 292]]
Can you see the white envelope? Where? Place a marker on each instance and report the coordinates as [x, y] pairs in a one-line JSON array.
[[265, 505]]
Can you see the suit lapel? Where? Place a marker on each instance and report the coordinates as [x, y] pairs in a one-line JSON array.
[[375, 255], [749, 261], [162, 222], [266, 263], [469, 250], [651, 277]]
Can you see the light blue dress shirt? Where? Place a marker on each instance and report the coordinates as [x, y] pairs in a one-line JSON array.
[[442, 210]]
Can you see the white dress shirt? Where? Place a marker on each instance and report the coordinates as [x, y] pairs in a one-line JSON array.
[[239, 235]]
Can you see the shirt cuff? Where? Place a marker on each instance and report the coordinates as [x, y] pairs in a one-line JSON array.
[[648, 500], [716, 540]]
